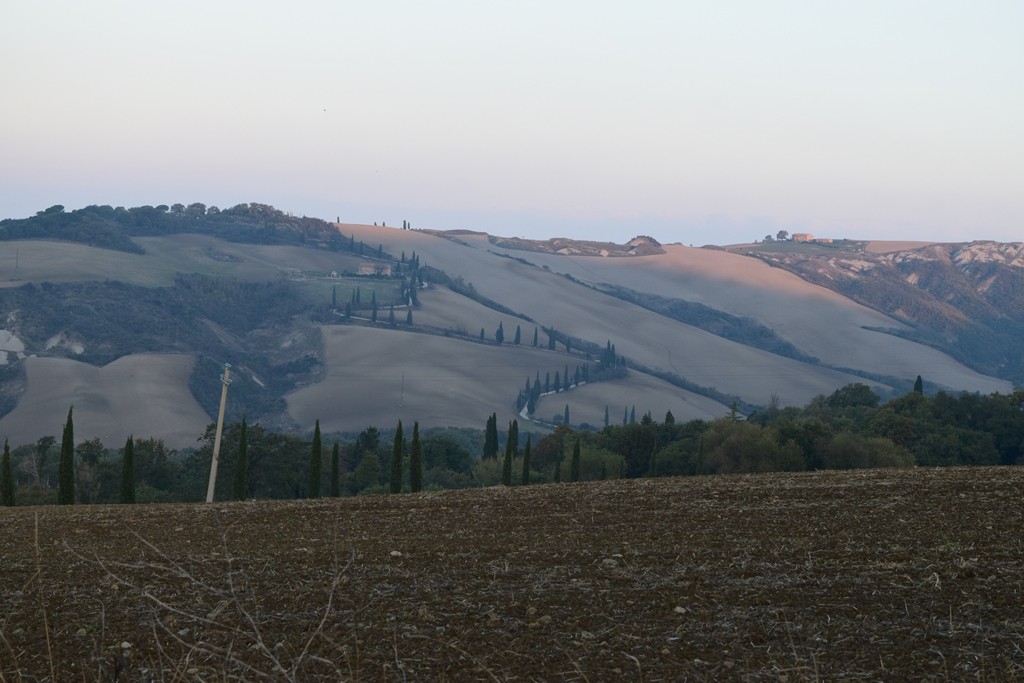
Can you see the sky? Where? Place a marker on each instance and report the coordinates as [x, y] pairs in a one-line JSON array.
[[701, 123]]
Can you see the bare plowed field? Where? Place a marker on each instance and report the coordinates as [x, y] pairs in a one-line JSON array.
[[880, 575]]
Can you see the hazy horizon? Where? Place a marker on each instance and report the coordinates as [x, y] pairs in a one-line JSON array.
[[691, 123]]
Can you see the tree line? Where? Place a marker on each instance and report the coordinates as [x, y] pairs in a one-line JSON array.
[[850, 428]]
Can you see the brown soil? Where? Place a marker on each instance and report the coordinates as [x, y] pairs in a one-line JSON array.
[[879, 575]]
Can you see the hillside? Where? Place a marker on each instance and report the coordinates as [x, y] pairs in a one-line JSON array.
[[357, 325], [964, 299]]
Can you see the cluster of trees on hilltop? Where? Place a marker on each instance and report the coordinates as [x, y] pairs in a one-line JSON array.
[[113, 227], [847, 429]]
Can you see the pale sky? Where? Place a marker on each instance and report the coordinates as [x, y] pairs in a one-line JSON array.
[[713, 122]]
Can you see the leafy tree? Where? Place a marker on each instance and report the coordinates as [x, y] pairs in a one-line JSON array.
[[526, 460], [415, 460], [782, 235], [853, 396], [6, 479], [241, 464], [367, 472], [128, 472], [574, 467], [66, 475], [315, 458], [336, 471], [396, 460]]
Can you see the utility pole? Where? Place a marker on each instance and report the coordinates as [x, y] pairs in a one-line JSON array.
[[226, 381]]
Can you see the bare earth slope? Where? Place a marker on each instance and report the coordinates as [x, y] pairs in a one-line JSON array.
[[818, 321], [453, 382], [144, 394], [355, 379], [870, 575]]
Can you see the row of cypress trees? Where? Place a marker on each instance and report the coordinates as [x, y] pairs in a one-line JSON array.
[[66, 469], [415, 461]]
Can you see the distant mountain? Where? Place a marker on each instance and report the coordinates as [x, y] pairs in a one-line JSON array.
[[360, 325]]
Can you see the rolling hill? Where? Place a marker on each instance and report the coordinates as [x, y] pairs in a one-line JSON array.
[[130, 314]]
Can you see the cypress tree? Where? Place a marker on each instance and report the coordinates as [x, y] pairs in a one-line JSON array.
[[574, 467], [391, 316], [408, 317], [128, 472], [415, 461], [506, 470], [66, 471], [513, 436], [491, 437], [518, 337], [315, 457], [6, 479], [558, 471], [535, 337], [606, 416], [632, 416], [526, 460], [334, 296], [242, 463], [499, 334], [565, 419], [919, 385], [396, 460], [625, 416], [336, 471]]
